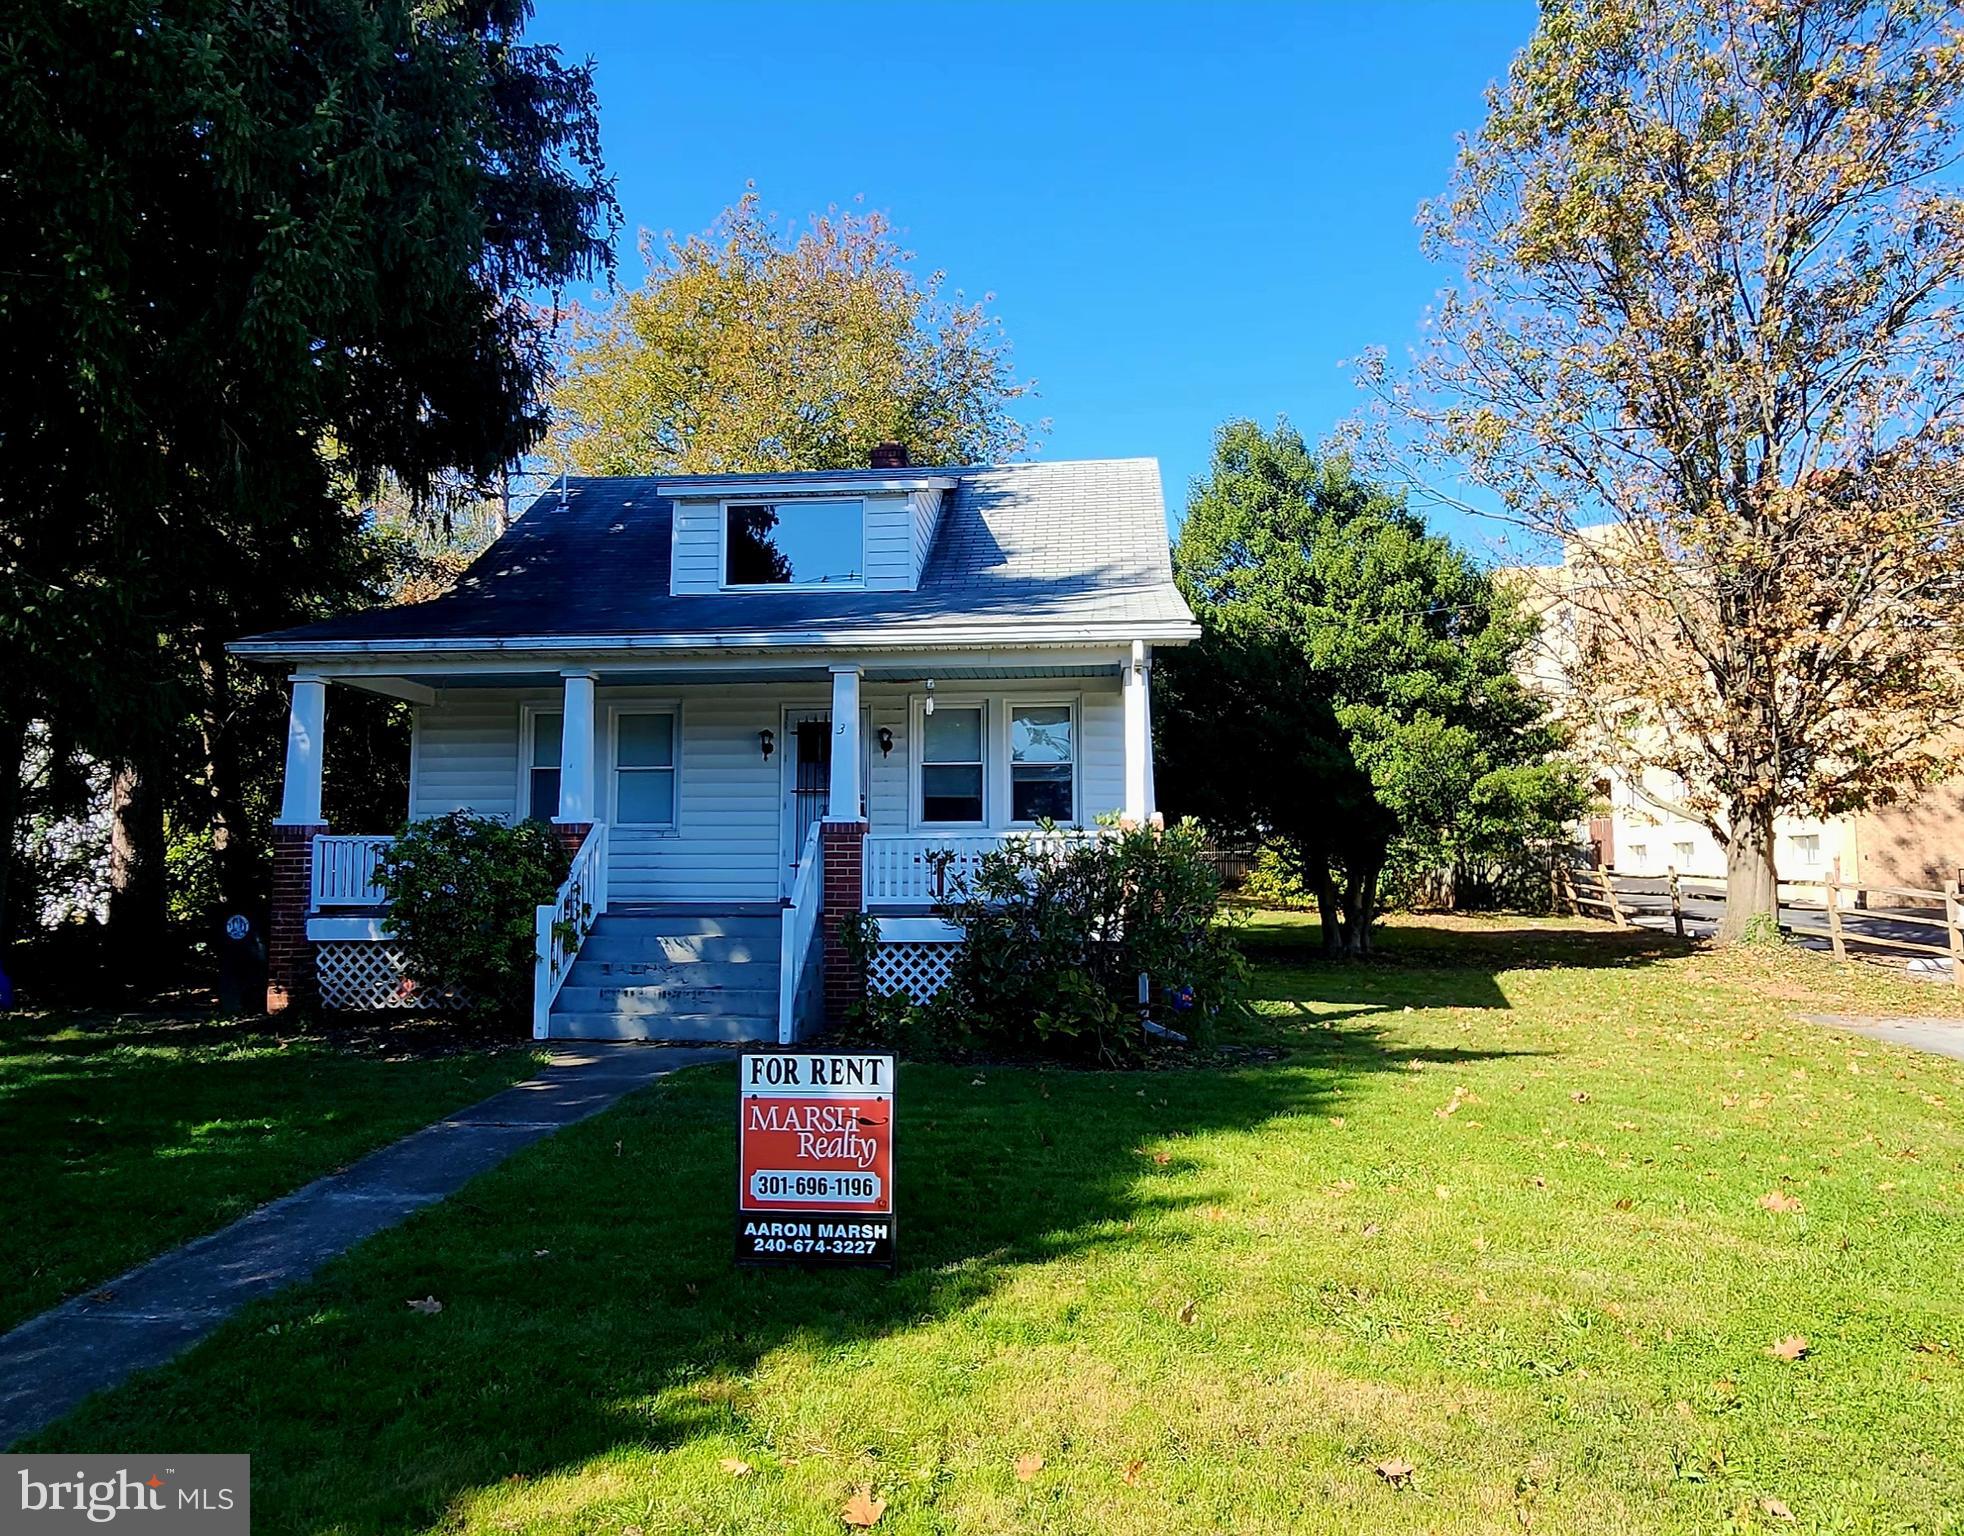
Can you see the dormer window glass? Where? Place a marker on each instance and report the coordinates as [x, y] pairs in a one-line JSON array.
[[797, 543]]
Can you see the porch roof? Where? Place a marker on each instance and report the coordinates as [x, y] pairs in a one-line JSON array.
[[1070, 552]]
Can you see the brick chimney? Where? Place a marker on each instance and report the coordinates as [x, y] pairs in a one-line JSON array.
[[889, 456]]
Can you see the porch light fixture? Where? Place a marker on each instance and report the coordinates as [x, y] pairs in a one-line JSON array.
[[768, 741], [928, 707], [886, 741]]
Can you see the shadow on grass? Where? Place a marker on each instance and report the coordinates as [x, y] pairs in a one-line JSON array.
[[590, 1301], [124, 1134], [590, 1304]]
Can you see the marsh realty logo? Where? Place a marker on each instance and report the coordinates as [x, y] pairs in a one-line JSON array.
[[153, 1495]]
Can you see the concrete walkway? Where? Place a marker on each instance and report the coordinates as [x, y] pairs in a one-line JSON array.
[[50, 1363], [1945, 1037]]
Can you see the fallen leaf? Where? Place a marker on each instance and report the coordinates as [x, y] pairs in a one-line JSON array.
[[1442, 1192], [1337, 1121], [1779, 1202], [1626, 1203], [1132, 1471], [862, 1509], [540, 1253], [429, 1305], [1579, 1096], [736, 1466], [1189, 1312], [1028, 1465], [1777, 1508], [1396, 1471], [1162, 1158], [1792, 1347]]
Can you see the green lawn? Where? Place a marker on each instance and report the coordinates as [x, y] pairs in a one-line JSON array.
[[1495, 1212], [121, 1135]]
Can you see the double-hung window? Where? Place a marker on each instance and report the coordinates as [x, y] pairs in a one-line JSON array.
[[542, 766], [1042, 762], [644, 769], [951, 764]]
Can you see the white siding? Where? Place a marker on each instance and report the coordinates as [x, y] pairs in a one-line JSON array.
[[890, 563], [726, 845], [1101, 745], [696, 552], [1101, 750], [898, 529], [925, 507], [466, 756]]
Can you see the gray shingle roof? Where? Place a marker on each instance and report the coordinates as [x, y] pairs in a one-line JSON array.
[[1019, 546]]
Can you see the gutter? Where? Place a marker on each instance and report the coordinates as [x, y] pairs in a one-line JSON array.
[[883, 638]]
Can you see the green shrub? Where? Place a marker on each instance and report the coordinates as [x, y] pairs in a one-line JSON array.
[[1057, 930], [1276, 880], [464, 893]]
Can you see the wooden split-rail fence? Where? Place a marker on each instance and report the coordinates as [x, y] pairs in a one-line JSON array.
[[1590, 892]]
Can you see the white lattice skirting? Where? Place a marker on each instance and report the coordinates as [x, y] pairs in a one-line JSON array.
[[917, 968], [364, 974]]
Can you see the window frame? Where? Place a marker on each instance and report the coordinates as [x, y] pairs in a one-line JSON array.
[[1010, 704], [919, 762], [998, 798], [615, 709], [528, 728], [729, 503]]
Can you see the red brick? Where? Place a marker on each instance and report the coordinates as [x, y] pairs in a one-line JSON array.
[[842, 856], [290, 980]]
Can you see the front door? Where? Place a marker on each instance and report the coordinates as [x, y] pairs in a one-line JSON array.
[[807, 782]]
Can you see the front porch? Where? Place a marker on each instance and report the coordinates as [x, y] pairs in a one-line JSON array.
[[800, 790]]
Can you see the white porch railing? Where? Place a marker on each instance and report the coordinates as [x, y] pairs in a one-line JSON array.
[[563, 926], [798, 942], [921, 869], [344, 871]]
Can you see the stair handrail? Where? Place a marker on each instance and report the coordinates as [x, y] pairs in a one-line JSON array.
[[798, 927], [562, 927]]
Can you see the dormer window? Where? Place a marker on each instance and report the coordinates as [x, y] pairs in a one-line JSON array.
[[794, 543]]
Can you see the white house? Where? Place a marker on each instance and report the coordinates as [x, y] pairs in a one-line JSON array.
[[752, 704]]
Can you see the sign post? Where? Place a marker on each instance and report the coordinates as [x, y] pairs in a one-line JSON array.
[[815, 1159]]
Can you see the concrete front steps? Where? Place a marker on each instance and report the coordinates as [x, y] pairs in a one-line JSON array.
[[650, 974]]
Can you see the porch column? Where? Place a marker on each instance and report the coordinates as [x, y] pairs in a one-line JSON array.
[[306, 730], [844, 802], [1138, 736], [842, 845], [575, 818], [290, 979]]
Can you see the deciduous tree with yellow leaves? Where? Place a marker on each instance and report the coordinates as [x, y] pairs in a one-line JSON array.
[[749, 349], [1706, 333]]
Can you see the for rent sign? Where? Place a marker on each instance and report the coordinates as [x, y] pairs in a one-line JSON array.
[[815, 1159]]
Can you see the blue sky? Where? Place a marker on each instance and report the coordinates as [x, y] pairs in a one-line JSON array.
[[1186, 213]]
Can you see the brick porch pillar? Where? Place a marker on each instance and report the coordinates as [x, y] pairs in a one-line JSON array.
[[290, 979], [842, 851], [571, 834]]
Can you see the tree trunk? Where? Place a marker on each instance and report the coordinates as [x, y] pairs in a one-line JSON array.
[[13, 758], [231, 854], [1751, 882], [1360, 900], [137, 894], [1316, 870]]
